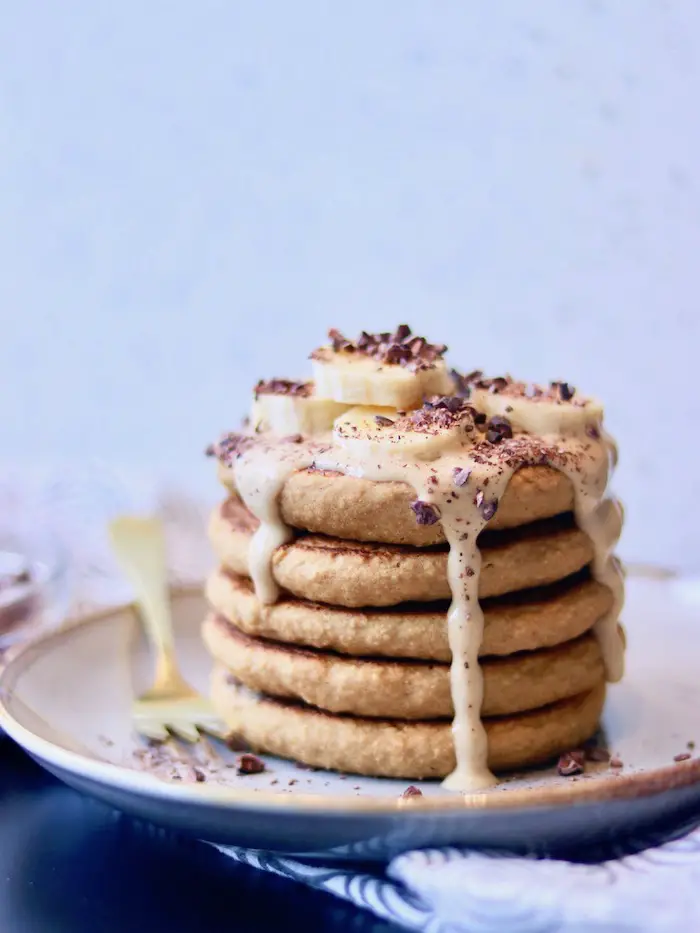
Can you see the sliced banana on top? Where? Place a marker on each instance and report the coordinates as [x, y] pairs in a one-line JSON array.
[[425, 434], [388, 370], [556, 409], [283, 407]]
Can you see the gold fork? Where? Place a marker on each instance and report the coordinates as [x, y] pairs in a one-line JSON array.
[[171, 706]]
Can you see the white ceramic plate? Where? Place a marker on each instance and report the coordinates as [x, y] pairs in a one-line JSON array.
[[66, 699]]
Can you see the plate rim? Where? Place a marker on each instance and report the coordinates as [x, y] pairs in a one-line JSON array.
[[622, 786]]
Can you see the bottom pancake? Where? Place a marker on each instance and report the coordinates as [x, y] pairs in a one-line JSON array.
[[386, 748]]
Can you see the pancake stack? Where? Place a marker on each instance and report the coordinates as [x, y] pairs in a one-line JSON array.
[[415, 572]]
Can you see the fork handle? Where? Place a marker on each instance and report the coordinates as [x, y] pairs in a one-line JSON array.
[[154, 605], [140, 547]]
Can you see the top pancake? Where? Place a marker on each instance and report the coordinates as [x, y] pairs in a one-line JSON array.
[[363, 510]]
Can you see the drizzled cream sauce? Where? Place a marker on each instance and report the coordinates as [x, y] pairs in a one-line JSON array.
[[262, 469]]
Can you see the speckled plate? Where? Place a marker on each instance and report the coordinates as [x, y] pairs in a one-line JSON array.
[[66, 699]]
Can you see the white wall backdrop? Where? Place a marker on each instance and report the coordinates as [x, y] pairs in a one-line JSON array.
[[193, 191]]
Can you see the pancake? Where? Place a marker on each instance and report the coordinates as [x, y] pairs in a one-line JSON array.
[[538, 618], [401, 689], [354, 574], [384, 748], [362, 510]]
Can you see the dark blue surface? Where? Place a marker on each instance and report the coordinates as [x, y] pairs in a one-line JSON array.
[[71, 865]]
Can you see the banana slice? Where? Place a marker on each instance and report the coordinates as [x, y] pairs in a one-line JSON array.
[[387, 370], [425, 434], [557, 409], [284, 407]]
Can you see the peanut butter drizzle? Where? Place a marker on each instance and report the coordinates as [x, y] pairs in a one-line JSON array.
[[464, 511], [261, 471]]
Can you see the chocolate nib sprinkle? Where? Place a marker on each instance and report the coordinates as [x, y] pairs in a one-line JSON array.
[[396, 353], [683, 756], [412, 791], [566, 392], [462, 387], [460, 476], [426, 514], [467, 382], [338, 342], [489, 509], [451, 403], [497, 385], [382, 421], [498, 429], [249, 764], [571, 763]]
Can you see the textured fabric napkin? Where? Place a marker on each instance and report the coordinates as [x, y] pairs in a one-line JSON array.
[[439, 891], [451, 890]]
